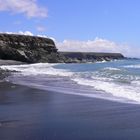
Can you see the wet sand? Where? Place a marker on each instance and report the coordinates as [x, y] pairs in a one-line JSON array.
[[31, 114], [10, 62]]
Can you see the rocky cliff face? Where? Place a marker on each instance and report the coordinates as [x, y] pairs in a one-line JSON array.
[[83, 57], [28, 49], [37, 49]]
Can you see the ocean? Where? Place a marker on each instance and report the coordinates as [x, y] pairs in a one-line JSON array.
[[118, 81]]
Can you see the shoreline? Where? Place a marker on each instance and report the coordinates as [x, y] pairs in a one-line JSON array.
[[29, 114], [10, 62]]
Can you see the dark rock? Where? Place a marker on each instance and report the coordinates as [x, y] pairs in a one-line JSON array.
[[28, 49], [32, 49], [84, 57], [4, 74]]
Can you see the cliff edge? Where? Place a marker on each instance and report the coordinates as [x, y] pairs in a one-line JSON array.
[[83, 57], [32, 49], [29, 49]]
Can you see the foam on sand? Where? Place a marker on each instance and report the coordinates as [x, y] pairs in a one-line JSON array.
[[113, 82]]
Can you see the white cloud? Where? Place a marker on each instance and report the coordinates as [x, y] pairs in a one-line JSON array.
[[96, 45], [20, 33], [28, 7], [25, 33], [47, 37], [42, 36], [28, 33]]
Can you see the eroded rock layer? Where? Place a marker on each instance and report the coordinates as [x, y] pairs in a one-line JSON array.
[[28, 49], [32, 49]]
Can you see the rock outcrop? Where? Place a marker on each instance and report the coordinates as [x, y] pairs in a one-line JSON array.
[[83, 57], [31, 49], [28, 49]]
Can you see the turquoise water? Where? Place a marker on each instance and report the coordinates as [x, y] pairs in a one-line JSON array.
[[116, 80]]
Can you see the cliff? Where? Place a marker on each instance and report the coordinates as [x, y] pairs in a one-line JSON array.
[[28, 49], [83, 57], [33, 49]]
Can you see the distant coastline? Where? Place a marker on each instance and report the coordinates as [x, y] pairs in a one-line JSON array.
[[32, 49]]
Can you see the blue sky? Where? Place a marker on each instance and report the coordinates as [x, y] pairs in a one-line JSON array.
[[116, 21]]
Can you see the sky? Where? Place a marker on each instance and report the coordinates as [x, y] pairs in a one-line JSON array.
[[77, 25]]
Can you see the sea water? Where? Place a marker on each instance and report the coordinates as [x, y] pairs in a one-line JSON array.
[[116, 80]]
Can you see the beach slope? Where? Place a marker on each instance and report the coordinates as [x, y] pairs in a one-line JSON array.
[[31, 114]]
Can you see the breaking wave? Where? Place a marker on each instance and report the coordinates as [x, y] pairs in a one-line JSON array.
[[110, 80]]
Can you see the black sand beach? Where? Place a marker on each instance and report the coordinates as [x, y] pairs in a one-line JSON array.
[[31, 114]]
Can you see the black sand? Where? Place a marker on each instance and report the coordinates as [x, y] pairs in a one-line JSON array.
[[10, 62], [31, 114]]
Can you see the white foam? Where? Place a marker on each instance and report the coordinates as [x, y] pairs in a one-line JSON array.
[[103, 61], [36, 69], [113, 69], [86, 92], [126, 92], [100, 80], [133, 66], [136, 83]]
